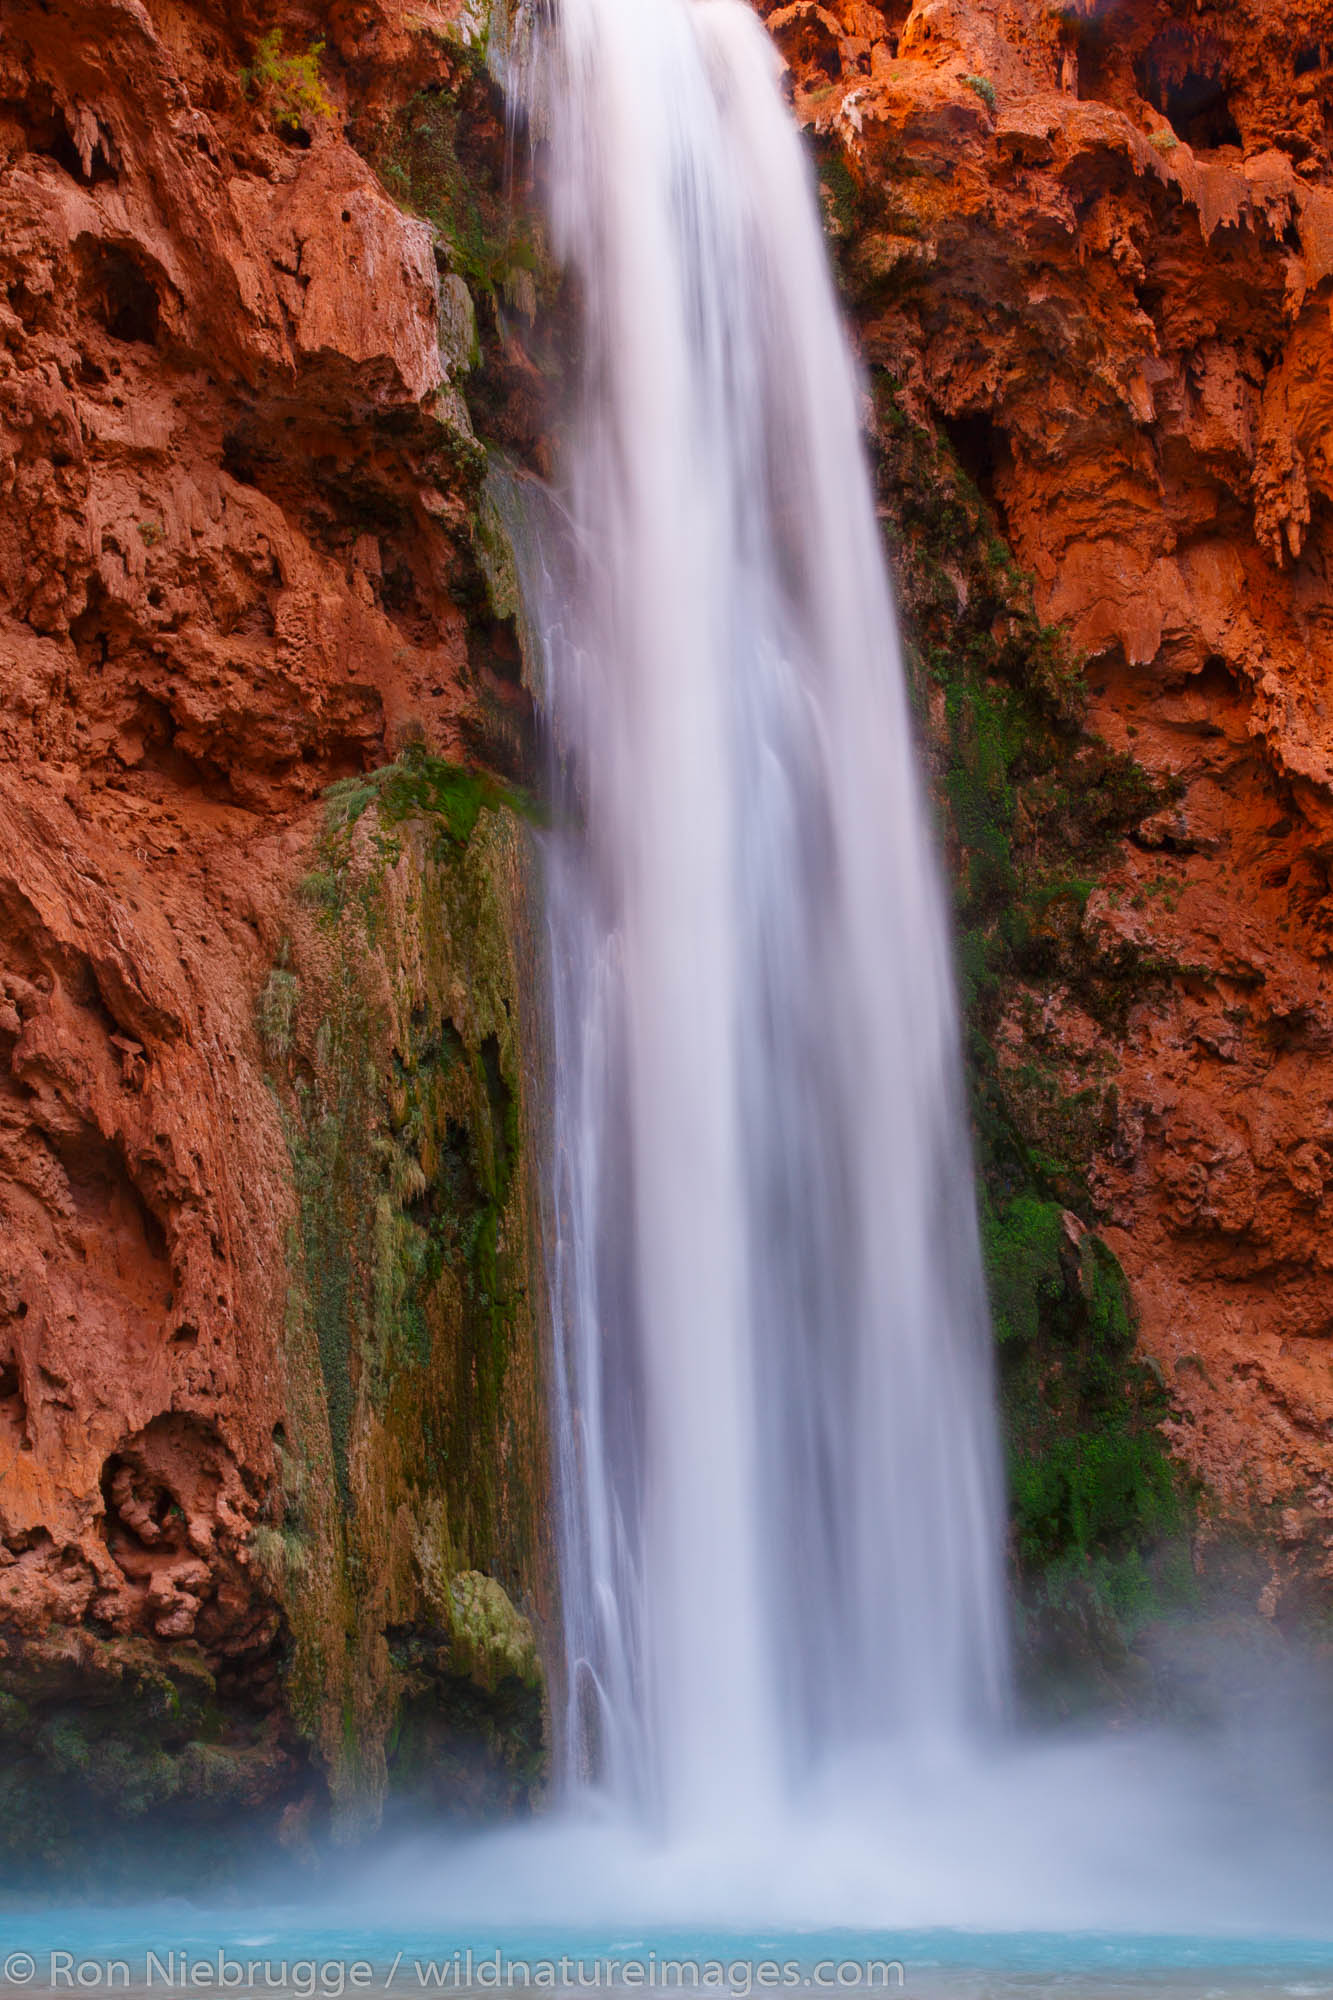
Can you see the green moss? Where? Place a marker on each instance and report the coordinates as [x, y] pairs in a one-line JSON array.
[[475, 26], [419, 785], [1079, 1619], [455, 1744], [1023, 1264], [1084, 1492], [118, 1753], [495, 553], [984, 89], [491, 246], [1033, 807], [1089, 1472], [412, 1351], [841, 194], [276, 1010], [492, 1642]]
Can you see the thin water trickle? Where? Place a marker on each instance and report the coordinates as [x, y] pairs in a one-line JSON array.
[[780, 1502]]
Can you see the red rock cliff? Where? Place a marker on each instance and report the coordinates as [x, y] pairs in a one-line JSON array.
[[236, 564], [1095, 241]]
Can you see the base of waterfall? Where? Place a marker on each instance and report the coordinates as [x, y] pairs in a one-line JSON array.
[[1139, 1862], [1139, 1834]]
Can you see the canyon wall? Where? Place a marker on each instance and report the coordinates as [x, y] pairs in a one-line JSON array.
[[1087, 251], [272, 1509], [273, 1520]]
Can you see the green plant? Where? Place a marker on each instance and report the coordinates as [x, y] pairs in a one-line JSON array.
[[1033, 807], [288, 86], [275, 1009], [420, 785], [124, 1754], [396, 1067], [490, 247], [151, 533], [842, 198], [1163, 139], [985, 90], [1088, 1468]]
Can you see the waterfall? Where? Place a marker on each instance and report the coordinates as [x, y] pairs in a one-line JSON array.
[[780, 1504]]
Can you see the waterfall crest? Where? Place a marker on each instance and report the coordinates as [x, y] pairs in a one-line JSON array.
[[780, 1502]]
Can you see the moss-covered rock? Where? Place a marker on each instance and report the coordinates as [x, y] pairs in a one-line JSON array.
[[117, 1753], [492, 1641], [413, 1464], [1032, 806], [429, 162], [1089, 1471]]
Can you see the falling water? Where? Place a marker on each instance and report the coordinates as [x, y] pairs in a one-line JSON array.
[[778, 1478]]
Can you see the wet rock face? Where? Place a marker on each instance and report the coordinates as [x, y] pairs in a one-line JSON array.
[[236, 482], [1094, 242]]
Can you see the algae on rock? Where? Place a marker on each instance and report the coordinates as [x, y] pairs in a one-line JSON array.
[[414, 1461], [120, 1754], [1031, 806]]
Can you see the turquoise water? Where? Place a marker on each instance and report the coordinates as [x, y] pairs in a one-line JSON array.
[[1130, 1862], [1129, 1865], [305, 1949]]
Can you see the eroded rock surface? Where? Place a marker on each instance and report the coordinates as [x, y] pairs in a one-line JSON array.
[[237, 481]]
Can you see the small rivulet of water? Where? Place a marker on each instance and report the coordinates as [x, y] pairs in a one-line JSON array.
[[779, 1490]]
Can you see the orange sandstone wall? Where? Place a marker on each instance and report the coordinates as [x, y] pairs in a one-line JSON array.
[[237, 487], [1100, 252]]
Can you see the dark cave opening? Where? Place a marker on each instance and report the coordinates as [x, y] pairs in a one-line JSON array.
[[980, 448], [1195, 99], [895, 14], [13, 1404], [1200, 111], [124, 297]]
